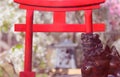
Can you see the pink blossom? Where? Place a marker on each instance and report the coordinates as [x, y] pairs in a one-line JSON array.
[[113, 6]]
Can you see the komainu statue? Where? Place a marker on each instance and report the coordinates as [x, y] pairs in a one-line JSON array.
[[96, 59]]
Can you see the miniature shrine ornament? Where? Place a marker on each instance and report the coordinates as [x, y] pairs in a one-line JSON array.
[[59, 7]]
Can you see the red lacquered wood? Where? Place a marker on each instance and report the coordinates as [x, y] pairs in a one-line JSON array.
[[59, 17], [28, 41], [27, 74], [60, 27], [88, 21], [96, 6], [59, 3]]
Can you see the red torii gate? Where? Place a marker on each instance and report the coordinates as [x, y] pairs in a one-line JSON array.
[[59, 7]]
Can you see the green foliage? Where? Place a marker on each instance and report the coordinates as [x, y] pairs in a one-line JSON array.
[[1, 72], [42, 64], [5, 26], [18, 46], [35, 48], [42, 75]]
